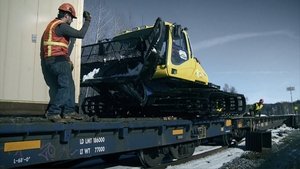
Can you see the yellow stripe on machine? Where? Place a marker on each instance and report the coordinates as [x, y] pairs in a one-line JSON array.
[[177, 132], [22, 145]]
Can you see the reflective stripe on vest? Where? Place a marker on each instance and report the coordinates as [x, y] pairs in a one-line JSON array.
[[258, 107], [49, 43]]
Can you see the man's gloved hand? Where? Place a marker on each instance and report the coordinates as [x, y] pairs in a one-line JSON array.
[[87, 16]]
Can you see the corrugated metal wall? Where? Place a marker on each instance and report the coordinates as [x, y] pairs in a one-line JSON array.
[[22, 23]]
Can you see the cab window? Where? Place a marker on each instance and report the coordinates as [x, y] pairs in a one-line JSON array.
[[179, 50]]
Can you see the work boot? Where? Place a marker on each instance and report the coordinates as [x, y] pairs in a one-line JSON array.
[[55, 118], [73, 115]]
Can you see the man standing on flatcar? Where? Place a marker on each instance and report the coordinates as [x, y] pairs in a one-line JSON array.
[[256, 108], [56, 46]]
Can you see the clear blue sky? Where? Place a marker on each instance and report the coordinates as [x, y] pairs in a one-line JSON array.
[[253, 45]]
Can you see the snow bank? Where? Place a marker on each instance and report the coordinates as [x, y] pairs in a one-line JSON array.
[[280, 133]]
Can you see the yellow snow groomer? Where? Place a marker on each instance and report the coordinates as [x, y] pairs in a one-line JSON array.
[[151, 72]]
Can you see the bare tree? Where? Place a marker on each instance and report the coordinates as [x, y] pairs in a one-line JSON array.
[[122, 23], [105, 22], [101, 17], [227, 88], [232, 90]]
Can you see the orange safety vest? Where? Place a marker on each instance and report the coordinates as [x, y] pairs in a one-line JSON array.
[[53, 44]]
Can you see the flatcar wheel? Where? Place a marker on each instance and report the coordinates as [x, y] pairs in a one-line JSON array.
[[181, 151], [227, 140], [223, 140], [151, 157]]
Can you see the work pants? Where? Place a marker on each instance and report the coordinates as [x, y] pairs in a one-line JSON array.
[[58, 76]]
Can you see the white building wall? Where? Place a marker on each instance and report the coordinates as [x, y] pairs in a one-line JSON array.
[[22, 23]]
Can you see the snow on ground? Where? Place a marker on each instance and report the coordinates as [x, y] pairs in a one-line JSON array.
[[203, 149], [280, 133], [213, 161], [217, 160]]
